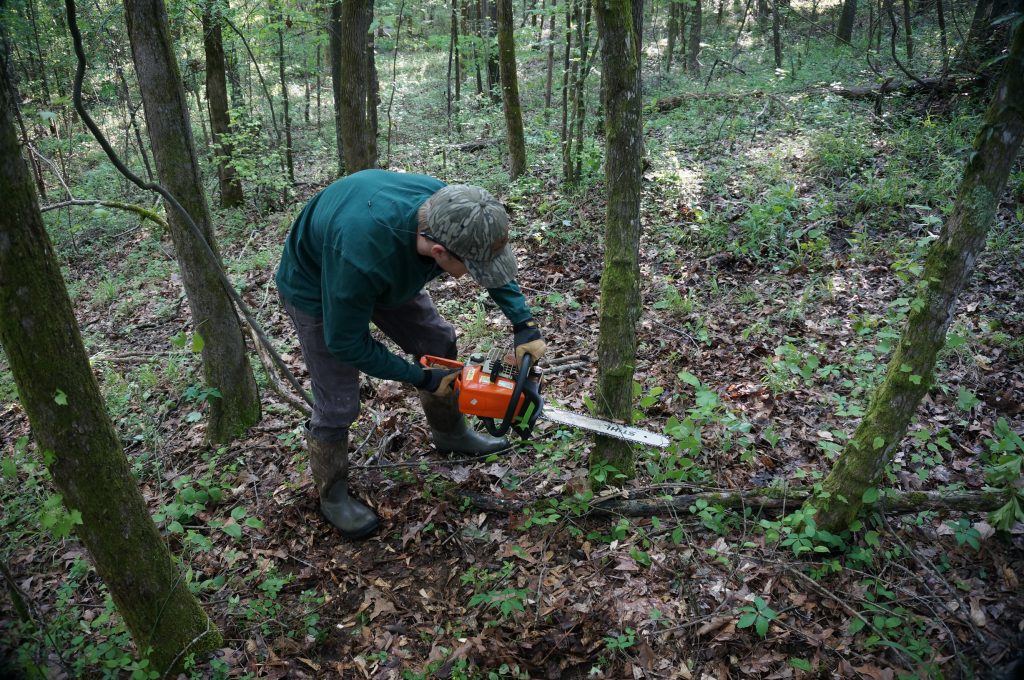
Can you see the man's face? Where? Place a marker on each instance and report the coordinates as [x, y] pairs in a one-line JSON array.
[[451, 265]]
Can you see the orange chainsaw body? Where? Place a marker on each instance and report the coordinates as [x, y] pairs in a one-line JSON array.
[[484, 386]]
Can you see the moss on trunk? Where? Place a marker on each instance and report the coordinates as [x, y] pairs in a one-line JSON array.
[[63, 402], [947, 270], [620, 287]]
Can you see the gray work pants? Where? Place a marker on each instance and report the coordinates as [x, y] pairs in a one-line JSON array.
[[416, 327]]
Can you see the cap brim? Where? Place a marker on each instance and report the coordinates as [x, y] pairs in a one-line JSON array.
[[494, 273]]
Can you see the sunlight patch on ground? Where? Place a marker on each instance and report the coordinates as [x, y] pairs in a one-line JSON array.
[[680, 175]]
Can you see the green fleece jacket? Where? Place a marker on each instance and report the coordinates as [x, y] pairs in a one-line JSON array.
[[353, 249]]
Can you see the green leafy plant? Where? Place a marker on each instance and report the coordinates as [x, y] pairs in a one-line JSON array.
[[759, 615]]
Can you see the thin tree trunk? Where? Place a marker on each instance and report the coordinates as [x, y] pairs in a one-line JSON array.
[[489, 25], [611, 461], [231, 195], [334, 32], [565, 131], [673, 29], [906, 27], [319, 86], [947, 270], [510, 90], [693, 58], [941, 16], [61, 397], [226, 366], [288, 155], [776, 33], [550, 69]]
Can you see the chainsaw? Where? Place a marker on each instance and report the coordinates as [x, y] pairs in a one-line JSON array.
[[507, 398]]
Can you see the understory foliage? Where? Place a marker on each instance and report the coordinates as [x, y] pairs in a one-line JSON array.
[[783, 239]]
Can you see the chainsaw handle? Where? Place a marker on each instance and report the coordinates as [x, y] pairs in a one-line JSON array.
[[524, 387]]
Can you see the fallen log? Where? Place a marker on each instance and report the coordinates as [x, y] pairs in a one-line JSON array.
[[764, 500], [889, 86]]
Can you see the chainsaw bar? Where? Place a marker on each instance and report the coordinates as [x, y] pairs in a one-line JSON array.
[[616, 430]]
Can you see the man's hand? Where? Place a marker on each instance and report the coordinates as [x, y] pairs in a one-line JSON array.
[[528, 340], [439, 381]]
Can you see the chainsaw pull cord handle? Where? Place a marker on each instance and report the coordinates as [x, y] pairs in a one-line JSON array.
[[532, 394]]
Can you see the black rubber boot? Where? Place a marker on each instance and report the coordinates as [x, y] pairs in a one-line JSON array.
[[329, 463], [450, 431]]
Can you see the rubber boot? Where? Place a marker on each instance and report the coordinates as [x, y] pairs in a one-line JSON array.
[[450, 431], [329, 463]]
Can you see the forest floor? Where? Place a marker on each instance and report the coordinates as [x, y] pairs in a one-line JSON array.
[[778, 245]]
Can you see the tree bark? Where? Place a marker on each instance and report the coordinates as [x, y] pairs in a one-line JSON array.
[[907, 28], [231, 195], [986, 40], [845, 31], [288, 155], [693, 58], [334, 33], [226, 366], [947, 270], [60, 394], [776, 33], [488, 27], [357, 133], [510, 90], [673, 30], [619, 27]]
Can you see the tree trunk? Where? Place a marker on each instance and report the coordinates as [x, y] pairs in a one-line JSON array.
[[510, 90], [334, 32], [776, 33], [947, 270], [357, 134], [693, 58], [550, 73], [225, 363], [620, 289], [288, 156], [673, 29], [845, 31], [60, 394], [565, 131], [940, 14], [489, 24], [217, 98], [985, 39], [373, 92], [906, 27]]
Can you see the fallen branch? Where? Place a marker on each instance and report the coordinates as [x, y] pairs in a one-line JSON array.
[[144, 213], [762, 500], [867, 92]]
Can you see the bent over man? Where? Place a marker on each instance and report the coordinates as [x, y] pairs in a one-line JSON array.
[[361, 250]]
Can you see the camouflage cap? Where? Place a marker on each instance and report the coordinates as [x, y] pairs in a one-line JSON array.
[[471, 224]]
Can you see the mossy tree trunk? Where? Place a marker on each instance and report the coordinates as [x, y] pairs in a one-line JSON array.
[[56, 386], [510, 90], [947, 270], [357, 132], [226, 366], [231, 195], [619, 27]]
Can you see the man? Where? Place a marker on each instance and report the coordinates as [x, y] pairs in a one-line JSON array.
[[360, 251]]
